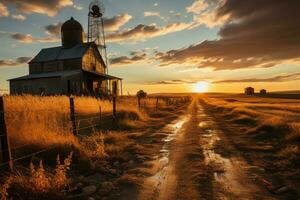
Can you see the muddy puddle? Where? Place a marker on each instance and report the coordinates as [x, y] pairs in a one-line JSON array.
[[231, 177], [154, 184]]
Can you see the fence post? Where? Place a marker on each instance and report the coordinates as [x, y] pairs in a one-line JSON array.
[[72, 116], [5, 145], [100, 115], [156, 103], [139, 102], [114, 91], [114, 106]]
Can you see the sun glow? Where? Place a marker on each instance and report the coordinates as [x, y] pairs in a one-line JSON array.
[[201, 87]]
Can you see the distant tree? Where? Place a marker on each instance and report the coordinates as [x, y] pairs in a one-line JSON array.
[[140, 95]]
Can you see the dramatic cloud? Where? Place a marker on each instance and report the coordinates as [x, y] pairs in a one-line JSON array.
[[142, 32], [45, 7], [53, 29], [136, 57], [205, 13], [279, 78], [17, 62], [19, 17], [3, 10], [257, 34], [172, 82], [115, 22], [27, 38]]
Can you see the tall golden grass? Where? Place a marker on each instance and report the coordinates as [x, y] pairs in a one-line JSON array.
[[45, 121]]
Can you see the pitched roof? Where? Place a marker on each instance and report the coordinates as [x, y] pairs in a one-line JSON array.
[[59, 53], [48, 75]]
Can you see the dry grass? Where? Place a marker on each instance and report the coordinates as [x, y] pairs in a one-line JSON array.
[[45, 121], [38, 183]]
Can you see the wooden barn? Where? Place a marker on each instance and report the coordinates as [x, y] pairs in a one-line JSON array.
[[76, 67]]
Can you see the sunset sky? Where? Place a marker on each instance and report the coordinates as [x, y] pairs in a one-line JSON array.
[[169, 45]]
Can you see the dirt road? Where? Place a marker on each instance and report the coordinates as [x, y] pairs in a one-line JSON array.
[[197, 162]]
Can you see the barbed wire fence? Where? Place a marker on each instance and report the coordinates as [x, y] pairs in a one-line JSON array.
[[77, 123]]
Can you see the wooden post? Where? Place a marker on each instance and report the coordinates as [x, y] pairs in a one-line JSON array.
[[72, 116], [121, 87], [114, 106], [156, 103], [5, 145], [100, 115], [114, 98], [139, 102]]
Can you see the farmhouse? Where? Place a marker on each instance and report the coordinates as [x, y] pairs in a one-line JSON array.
[[263, 91], [249, 90], [76, 67]]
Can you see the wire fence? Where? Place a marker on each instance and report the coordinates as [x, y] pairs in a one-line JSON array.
[[76, 122]]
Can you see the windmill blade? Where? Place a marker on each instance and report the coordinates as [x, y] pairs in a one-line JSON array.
[[96, 8]]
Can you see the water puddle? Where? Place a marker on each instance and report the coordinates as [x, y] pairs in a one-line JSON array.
[[154, 183], [228, 172]]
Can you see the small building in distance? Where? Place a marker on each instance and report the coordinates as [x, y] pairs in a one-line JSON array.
[[263, 91], [249, 90], [76, 67]]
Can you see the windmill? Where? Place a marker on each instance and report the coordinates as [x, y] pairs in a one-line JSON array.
[[96, 27]]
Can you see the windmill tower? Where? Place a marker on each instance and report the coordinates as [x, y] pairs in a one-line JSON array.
[[96, 28]]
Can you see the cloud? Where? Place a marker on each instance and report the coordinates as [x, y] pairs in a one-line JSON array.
[[19, 17], [172, 82], [111, 24], [115, 22], [77, 7], [279, 78], [205, 13], [153, 14], [136, 57], [28, 38], [53, 29], [17, 62], [142, 32], [3, 10], [197, 7], [45, 7], [257, 34]]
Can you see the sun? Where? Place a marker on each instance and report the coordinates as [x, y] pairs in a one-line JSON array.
[[201, 87]]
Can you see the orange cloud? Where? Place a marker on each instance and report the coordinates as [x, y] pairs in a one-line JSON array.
[[279, 78], [3, 10], [45, 7], [17, 62], [126, 60], [142, 32], [27, 38], [114, 23], [53, 29]]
